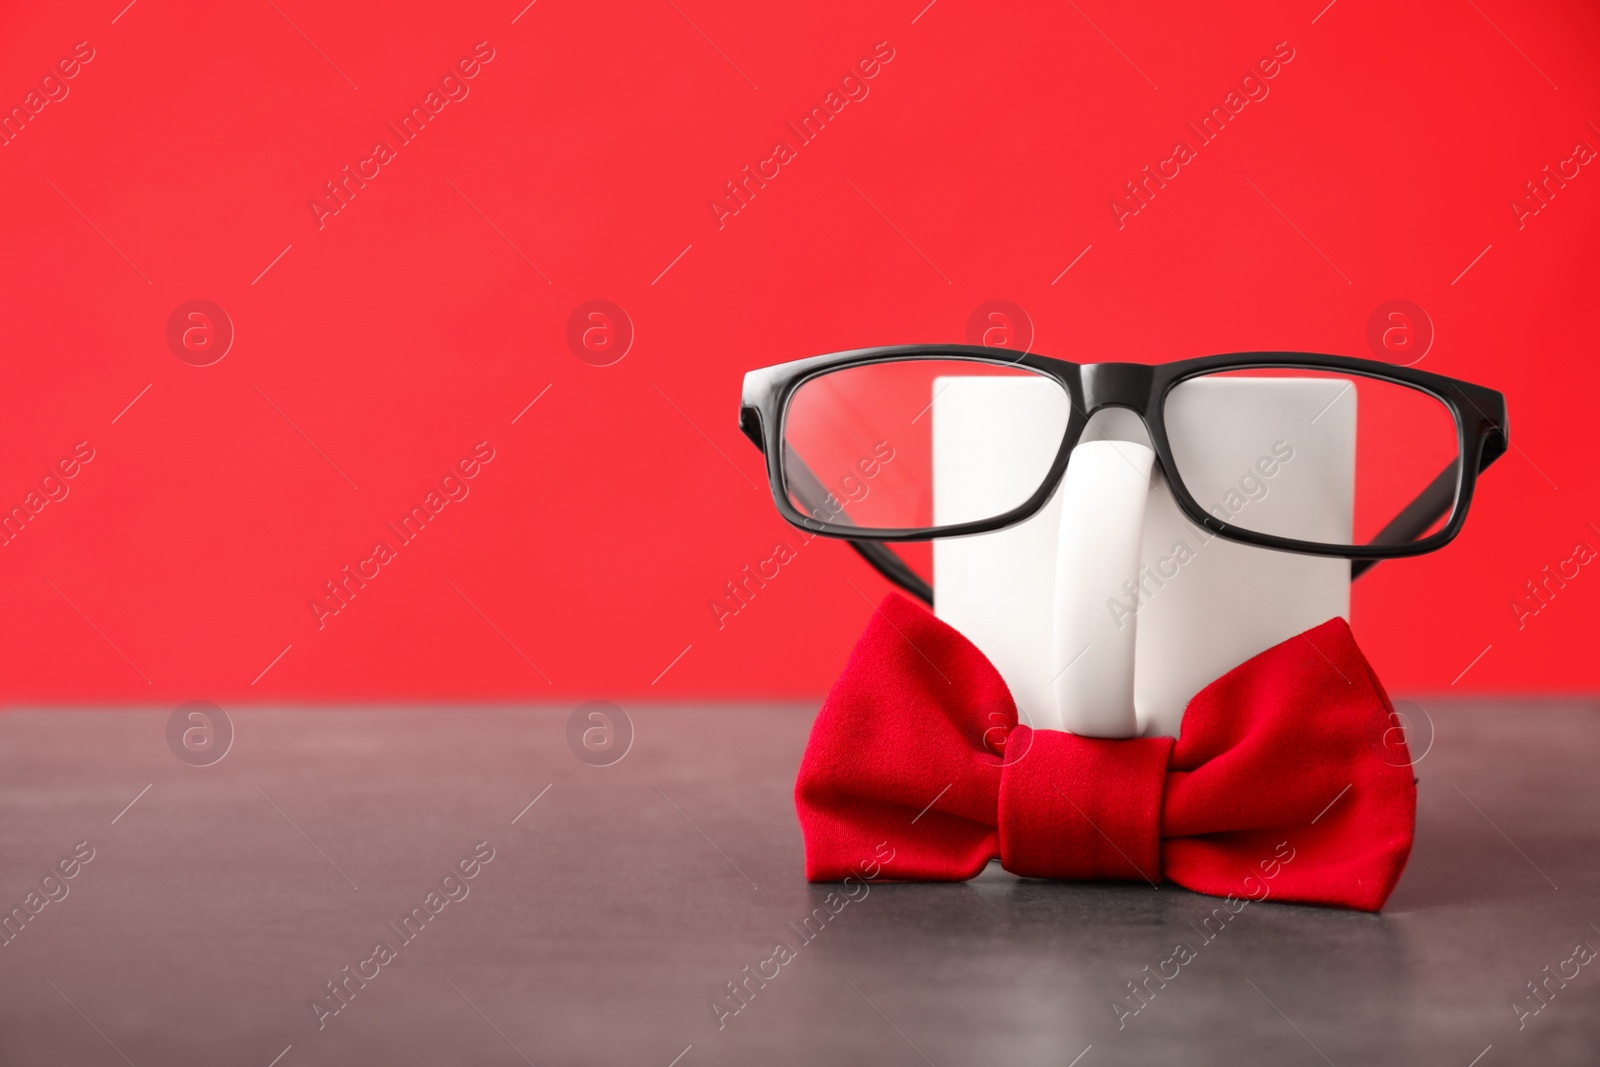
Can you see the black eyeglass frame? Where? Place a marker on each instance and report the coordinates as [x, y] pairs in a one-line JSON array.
[[1479, 413]]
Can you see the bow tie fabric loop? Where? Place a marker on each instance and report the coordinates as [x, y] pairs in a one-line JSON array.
[[1082, 808], [1287, 779]]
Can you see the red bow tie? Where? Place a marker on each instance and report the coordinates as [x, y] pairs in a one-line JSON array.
[[1288, 780]]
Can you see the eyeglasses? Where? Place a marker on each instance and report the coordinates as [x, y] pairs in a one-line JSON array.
[[916, 442]]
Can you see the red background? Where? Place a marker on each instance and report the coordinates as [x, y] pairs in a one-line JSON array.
[[414, 323]]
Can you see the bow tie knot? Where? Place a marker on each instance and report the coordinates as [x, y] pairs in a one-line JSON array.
[[918, 745], [1081, 807]]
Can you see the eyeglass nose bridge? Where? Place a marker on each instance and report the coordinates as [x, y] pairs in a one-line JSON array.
[[1124, 385]]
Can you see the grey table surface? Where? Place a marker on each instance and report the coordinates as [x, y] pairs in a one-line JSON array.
[[219, 905]]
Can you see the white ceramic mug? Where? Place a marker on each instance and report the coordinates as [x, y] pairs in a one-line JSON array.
[[1107, 611]]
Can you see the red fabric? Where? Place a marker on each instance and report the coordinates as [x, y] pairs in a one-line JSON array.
[[1082, 807], [1286, 782]]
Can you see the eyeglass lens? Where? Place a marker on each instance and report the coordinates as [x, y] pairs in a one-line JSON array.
[[1329, 457]]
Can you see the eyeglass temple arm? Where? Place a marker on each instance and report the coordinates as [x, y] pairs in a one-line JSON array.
[[1431, 505], [1434, 503], [887, 562], [812, 496]]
